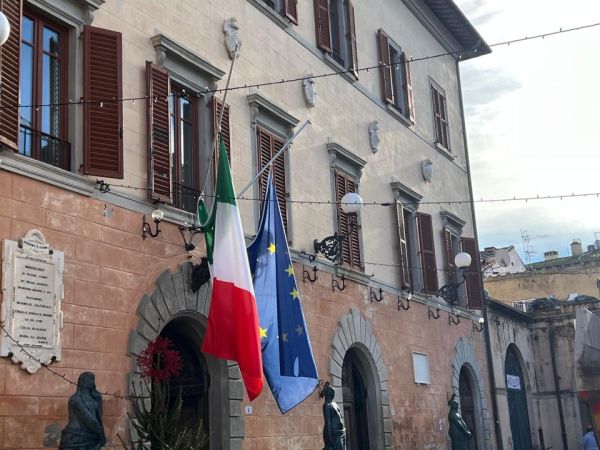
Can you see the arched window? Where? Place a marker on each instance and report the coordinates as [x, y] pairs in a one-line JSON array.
[[517, 402]]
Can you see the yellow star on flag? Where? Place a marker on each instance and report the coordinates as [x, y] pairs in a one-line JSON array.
[[262, 332], [295, 293], [290, 271], [271, 248]]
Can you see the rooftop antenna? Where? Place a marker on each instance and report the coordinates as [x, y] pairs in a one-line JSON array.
[[526, 238]]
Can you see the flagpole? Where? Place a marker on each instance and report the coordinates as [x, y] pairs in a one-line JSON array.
[[267, 165]]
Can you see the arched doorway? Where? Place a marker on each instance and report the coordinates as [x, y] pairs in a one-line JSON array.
[[193, 380], [354, 394], [467, 406], [517, 402]]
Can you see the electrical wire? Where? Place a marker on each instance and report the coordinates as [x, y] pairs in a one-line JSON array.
[[101, 101]]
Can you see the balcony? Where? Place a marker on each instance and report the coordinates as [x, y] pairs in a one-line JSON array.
[[45, 148]]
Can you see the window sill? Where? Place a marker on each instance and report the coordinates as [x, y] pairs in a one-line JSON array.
[[281, 21], [343, 71], [444, 151], [398, 115]]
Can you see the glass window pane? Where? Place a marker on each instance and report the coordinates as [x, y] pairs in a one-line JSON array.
[[421, 368], [26, 83], [25, 141], [51, 41], [50, 95], [186, 109], [187, 157], [27, 29]]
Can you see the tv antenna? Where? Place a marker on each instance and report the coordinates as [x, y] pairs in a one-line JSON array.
[[526, 238]]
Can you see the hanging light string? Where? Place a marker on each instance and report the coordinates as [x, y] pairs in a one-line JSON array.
[[100, 102], [102, 187]]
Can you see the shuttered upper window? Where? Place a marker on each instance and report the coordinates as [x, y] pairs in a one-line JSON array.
[[336, 31], [285, 8], [473, 283], [427, 250], [268, 145], [396, 83], [440, 118], [347, 223]]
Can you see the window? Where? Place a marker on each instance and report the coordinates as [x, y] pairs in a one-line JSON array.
[[473, 283], [346, 170], [336, 31], [421, 368], [440, 118], [427, 252], [286, 8], [396, 81], [43, 78], [407, 203], [451, 232]]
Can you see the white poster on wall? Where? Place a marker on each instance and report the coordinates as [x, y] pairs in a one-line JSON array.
[[513, 382]]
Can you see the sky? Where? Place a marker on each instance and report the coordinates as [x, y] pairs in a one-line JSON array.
[[533, 122]]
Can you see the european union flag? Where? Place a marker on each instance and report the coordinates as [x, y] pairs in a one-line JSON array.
[[288, 361]]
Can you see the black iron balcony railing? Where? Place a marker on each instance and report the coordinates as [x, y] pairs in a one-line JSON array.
[[44, 147], [185, 197]]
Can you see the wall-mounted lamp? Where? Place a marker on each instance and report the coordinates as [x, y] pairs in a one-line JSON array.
[[331, 246], [157, 216], [306, 275], [479, 325], [432, 315], [453, 319], [335, 285], [374, 297], [401, 303], [449, 292], [187, 233]]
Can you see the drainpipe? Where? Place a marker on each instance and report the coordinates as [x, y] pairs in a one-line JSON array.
[[488, 345], [563, 429]]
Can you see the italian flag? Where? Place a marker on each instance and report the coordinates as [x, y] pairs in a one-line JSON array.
[[232, 332]]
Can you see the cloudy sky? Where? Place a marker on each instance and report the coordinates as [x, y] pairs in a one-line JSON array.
[[533, 122]]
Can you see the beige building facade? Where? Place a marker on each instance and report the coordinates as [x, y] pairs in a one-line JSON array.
[[117, 117]]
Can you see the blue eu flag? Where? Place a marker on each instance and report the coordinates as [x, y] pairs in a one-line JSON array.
[[288, 361]]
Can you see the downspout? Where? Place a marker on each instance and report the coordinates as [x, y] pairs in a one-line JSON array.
[[488, 345], [563, 429]]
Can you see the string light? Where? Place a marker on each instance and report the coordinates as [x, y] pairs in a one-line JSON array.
[[458, 54]]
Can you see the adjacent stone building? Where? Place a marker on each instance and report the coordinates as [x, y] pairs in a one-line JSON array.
[[109, 110]]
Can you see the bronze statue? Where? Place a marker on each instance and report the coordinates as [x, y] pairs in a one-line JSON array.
[[458, 431], [85, 430], [334, 432]]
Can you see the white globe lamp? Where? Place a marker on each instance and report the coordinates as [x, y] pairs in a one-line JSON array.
[[351, 203], [462, 260], [4, 28]]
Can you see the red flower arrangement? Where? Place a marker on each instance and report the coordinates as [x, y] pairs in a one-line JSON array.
[[160, 361]]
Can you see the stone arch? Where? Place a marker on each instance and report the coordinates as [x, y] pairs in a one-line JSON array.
[[173, 299], [464, 355], [356, 332]]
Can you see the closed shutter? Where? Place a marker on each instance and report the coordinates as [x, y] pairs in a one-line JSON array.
[[159, 151], [9, 67], [350, 245], [322, 25], [268, 145], [403, 247], [103, 118], [387, 87], [408, 90], [473, 272], [291, 10], [225, 124], [440, 121], [428, 264], [450, 268], [352, 39]]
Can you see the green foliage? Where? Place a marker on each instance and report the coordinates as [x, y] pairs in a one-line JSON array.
[[158, 422]]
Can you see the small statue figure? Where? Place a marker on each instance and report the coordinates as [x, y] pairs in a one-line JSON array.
[[233, 41], [310, 95], [85, 430], [334, 432], [373, 135], [458, 431]]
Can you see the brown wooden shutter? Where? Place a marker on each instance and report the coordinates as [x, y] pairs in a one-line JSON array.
[[9, 67], [408, 90], [350, 245], [403, 247], [387, 87], [427, 247], [268, 145], [216, 106], [450, 268], [158, 119], [352, 39], [103, 148], [440, 120], [291, 10], [322, 25], [474, 292]]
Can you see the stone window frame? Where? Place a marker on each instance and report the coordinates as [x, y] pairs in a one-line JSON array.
[[434, 87], [410, 201], [191, 71], [274, 119], [417, 381], [454, 225]]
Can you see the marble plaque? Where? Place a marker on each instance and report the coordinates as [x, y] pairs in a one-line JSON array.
[[32, 291]]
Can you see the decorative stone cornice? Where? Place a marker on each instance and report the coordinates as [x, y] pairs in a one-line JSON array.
[[262, 105]]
